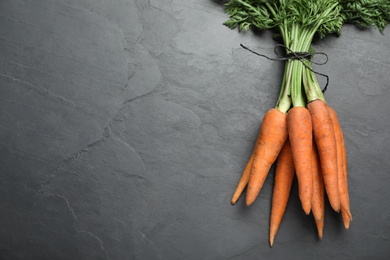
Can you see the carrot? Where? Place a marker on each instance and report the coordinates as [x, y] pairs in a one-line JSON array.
[[271, 138], [318, 199], [300, 134], [326, 142], [244, 177], [341, 167], [243, 181], [284, 175], [347, 216]]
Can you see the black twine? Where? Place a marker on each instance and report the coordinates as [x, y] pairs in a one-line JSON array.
[[301, 56]]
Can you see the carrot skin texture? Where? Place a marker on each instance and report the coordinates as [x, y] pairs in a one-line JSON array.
[[284, 175], [326, 142], [341, 166], [271, 138], [318, 199], [243, 181], [299, 127]]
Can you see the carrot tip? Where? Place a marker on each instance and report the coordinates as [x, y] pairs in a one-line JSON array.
[[320, 233], [249, 201], [320, 228], [307, 209], [346, 223], [233, 200], [271, 242], [336, 208], [235, 197]]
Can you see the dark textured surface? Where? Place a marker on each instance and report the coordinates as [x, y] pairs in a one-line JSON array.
[[125, 126]]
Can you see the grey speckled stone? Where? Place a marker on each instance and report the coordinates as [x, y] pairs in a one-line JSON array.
[[125, 126]]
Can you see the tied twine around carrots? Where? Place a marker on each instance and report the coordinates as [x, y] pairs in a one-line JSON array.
[[298, 55]]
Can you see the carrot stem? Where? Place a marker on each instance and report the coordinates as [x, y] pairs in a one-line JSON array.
[[311, 85]]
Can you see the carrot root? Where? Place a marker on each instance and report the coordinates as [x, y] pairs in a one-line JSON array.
[[324, 136], [300, 134], [341, 166], [243, 181], [284, 175], [318, 199], [272, 136]]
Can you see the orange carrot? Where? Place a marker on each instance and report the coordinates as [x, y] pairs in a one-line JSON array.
[[300, 133], [272, 136], [347, 217], [318, 199], [326, 142], [243, 181], [244, 177], [341, 167], [284, 175]]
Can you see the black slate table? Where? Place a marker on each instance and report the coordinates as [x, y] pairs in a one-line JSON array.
[[125, 126]]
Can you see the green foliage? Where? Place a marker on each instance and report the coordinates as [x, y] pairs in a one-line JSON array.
[[326, 16], [367, 12], [246, 13], [297, 21]]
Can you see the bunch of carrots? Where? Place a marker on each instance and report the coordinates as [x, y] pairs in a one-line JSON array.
[[307, 142], [302, 133]]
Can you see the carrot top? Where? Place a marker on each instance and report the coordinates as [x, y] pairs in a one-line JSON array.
[[297, 22]]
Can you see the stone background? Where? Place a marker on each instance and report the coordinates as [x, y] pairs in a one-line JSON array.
[[125, 126]]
